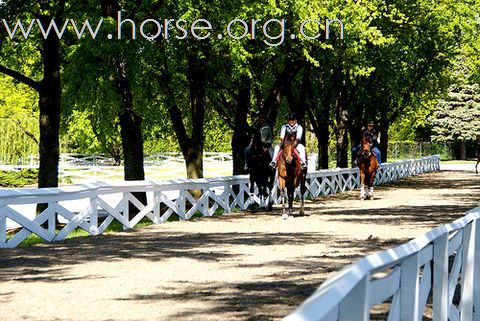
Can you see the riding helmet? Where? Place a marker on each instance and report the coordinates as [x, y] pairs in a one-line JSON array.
[[371, 122], [291, 116]]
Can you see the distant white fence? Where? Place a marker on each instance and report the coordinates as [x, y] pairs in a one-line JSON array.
[[436, 275], [81, 168], [84, 160], [92, 207]]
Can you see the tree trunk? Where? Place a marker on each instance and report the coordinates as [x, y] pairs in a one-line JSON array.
[[463, 150], [50, 94], [132, 143], [193, 153], [341, 128], [130, 122], [274, 99], [130, 128], [318, 113], [240, 138], [384, 141]]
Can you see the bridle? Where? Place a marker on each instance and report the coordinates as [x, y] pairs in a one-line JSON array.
[[284, 150], [366, 153]]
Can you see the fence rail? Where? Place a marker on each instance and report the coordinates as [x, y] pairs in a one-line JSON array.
[[82, 160], [93, 207], [440, 269]]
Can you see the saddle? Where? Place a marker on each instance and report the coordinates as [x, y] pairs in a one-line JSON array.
[[295, 152]]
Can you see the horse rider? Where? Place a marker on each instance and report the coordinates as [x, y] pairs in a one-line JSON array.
[[261, 135], [372, 134], [291, 127]]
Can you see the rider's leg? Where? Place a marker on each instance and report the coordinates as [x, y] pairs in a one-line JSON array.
[[270, 150], [303, 157], [378, 154], [355, 150], [275, 154], [247, 154]]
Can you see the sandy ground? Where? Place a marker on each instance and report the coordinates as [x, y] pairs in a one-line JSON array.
[[243, 266]]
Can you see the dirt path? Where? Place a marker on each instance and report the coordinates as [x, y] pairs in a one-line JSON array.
[[242, 266]]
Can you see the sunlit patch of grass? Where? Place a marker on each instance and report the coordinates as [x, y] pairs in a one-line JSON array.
[[114, 227], [18, 178]]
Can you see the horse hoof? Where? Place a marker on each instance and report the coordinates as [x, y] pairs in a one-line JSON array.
[[285, 216]]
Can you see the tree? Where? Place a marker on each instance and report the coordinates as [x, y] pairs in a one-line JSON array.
[[457, 118], [46, 68]]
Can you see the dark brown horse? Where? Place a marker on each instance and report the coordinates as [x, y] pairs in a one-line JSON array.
[[261, 174], [368, 165], [290, 175]]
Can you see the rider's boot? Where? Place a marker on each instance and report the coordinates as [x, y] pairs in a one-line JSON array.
[[273, 164]]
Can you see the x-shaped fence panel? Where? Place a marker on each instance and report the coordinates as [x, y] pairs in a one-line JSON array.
[[93, 207]]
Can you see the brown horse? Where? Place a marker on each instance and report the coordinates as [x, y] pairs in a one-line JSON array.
[[368, 165], [290, 175]]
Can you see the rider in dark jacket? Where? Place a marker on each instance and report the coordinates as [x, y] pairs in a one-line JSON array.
[[372, 134], [261, 135]]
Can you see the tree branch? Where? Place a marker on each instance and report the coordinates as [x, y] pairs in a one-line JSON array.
[[20, 77], [25, 131]]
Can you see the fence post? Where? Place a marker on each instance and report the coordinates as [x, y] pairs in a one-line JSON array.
[[93, 215], [355, 306], [409, 289], [466, 304], [440, 278], [3, 229], [476, 273]]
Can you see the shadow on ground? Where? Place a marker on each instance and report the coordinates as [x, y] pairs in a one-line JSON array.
[[267, 299]]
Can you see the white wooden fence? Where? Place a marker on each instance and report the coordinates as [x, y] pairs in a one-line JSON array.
[[83, 160], [92, 207], [436, 275]]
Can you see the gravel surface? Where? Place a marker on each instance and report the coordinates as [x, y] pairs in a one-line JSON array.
[[242, 266]]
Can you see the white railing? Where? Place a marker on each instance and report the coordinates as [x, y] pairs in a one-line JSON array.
[[80, 168], [72, 159], [92, 207], [437, 274]]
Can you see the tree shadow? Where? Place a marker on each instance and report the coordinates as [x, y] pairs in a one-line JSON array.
[[269, 298]]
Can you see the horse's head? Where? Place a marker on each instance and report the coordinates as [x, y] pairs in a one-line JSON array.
[[365, 148], [288, 147]]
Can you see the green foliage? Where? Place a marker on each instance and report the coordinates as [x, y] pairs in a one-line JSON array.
[[19, 122], [18, 178], [394, 63]]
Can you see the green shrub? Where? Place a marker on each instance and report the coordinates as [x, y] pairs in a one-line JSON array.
[[18, 178]]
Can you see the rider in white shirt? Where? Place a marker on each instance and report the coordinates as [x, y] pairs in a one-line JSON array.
[[291, 126]]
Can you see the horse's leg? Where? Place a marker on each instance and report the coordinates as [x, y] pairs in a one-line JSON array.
[[370, 193], [284, 212], [290, 192], [252, 190], [362, 184], [367, 186], [478, 161], [302, 193]]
